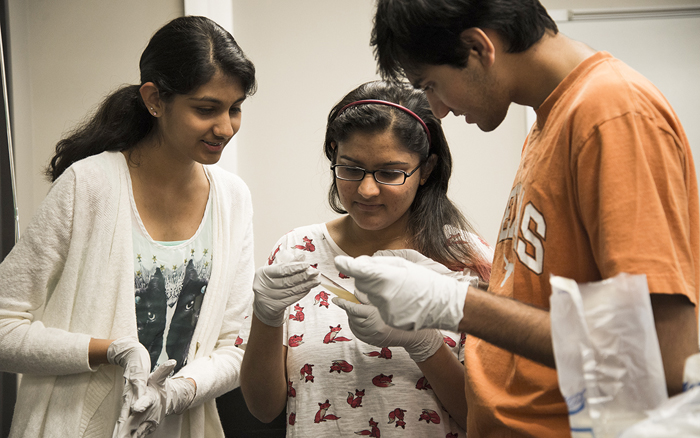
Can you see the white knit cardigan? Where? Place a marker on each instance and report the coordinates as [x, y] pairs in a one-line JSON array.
[[71, 278]]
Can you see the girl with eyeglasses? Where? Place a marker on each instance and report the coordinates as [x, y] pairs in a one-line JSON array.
[[349, 374], [139, 261]]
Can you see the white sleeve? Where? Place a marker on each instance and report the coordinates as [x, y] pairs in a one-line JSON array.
[[28, 276]]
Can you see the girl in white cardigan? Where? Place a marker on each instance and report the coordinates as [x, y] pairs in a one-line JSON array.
[[121, 304]]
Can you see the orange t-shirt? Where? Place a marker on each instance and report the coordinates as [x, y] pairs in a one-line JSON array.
[[606, 184]]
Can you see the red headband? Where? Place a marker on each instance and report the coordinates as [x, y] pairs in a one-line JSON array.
[[392, 104]]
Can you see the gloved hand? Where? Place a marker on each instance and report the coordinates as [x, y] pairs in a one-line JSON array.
[[367, 326], [147, 412], [280, 285], [408, 296], [179, 393], [130, 354], [414, 256]]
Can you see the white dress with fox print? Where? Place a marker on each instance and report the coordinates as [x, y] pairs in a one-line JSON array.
[[339, 386]]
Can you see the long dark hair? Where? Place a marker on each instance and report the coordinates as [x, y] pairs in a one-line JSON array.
[[410, 33], [180, 57], [435, 223]]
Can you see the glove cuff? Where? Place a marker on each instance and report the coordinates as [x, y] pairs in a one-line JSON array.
[[112, 353], [452, 309], [118, 348], [426, 346], [266, 317], [181, 392]]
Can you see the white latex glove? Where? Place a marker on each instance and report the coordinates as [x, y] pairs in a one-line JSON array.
[[280, 285], [180, 393], [408, 296], [414, 256], [367, 326], [130, 354], [149, 410]]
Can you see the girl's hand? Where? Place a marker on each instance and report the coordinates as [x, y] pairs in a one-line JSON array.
[[149, 411], [130, 354], [280, 285], [367, 326]]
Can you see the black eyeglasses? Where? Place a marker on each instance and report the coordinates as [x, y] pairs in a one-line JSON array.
[[389, 177]]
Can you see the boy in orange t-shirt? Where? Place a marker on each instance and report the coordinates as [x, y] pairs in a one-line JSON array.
[[606, 185]]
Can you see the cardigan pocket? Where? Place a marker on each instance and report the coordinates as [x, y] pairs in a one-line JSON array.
[[101, 383]]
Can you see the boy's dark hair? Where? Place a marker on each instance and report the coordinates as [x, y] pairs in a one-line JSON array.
[[411, 33]]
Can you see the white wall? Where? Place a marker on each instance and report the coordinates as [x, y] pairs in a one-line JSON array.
[[308, 54], [68, 54]]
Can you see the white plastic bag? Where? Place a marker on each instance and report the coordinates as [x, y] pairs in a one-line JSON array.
[[607, 353], [679, 417], [691, 372]]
